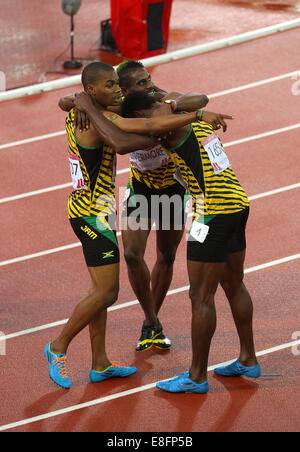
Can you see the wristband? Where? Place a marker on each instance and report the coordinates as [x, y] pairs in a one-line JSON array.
[[173, 104]]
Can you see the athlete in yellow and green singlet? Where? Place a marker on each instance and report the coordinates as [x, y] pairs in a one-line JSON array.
[[216, 246], [151, 176], [91, 210]]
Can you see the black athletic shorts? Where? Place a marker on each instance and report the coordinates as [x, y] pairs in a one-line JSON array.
[[99, 242], [226, 235], [164, 207]]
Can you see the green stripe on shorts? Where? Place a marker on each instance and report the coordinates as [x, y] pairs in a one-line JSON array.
[[101, 226]]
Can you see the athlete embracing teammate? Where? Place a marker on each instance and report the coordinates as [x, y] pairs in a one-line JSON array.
[[216, 246], [91, 209], [152, 176]]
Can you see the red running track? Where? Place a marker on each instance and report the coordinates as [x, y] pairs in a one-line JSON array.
[[42, 290]]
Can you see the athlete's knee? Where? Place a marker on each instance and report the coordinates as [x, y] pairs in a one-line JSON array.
[[167, 257], [105, 297], [231, 282], [200, 296], [133, 257]]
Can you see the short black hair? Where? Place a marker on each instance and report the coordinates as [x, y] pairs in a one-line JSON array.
[[125, 69], [136, 102], [90, 74]]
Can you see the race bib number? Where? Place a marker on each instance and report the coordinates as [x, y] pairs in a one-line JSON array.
[[76, 173], [149, 159], [216, 153], [199, 231]]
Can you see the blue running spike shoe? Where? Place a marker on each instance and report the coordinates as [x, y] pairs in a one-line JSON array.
[[183, 383], [57, 368], [237, 369], [115, 370]]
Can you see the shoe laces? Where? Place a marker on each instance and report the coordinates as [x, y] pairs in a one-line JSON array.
[[115, 363], [60, 361]]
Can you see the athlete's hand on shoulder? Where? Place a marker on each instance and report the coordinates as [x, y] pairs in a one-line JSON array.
[[81, 120], [82, 101], [216, 120]]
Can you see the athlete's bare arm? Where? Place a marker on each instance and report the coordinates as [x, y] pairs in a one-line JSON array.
[[89, 136], [81, 119], [105, 131], [216, 120], [189, 101], [185, 102], [147, 126], [151, 126], [193, 101], [66, 103]]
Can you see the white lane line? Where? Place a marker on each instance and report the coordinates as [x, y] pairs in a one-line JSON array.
[[211, 96], [263, 135], [41, 253], [274, 192], [135, 302], [48, 189], [77, 244], [255, 84], [32, 140], [122, 394], [35, 192], [126, 170]]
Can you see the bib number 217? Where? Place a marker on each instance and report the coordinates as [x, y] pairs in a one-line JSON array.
[[76, 173]]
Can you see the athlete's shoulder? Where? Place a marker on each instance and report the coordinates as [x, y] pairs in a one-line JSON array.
[[89, 138]]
